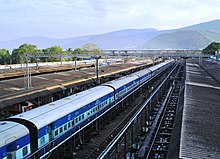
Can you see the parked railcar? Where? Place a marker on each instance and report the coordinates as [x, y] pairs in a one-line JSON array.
[[57, 120], [52, 123], [14, 140], [144, 75], [123, 85], [160, 67]]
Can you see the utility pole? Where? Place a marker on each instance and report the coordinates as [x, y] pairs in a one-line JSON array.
[[97, 67], [200, 59], [27, 80], [61, 59], [75, 61], [153, 60], [217, 53]]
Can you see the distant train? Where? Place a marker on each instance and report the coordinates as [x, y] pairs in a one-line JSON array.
[[38, 130]]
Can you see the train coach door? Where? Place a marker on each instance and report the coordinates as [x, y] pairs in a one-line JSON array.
[[50, 136], [10, 154]]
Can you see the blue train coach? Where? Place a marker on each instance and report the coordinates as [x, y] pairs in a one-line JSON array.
[[38, 130]]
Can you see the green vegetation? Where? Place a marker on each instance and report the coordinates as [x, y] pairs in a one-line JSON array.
[[24, 48], [77, 51], [211, 48], [16, 56], [4, 56], [54, 50]]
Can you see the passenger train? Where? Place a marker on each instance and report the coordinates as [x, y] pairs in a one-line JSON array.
[[38, 130]]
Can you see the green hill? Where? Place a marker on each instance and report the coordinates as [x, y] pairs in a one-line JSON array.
[[196, 36], [186, 39], [211, 48]]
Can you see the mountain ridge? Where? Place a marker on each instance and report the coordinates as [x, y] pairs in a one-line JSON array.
[[183, 39], [196, 36]]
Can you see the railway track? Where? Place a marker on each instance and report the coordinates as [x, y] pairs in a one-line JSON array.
[[158, 145], [93, 152], [101, 147], [18, 73]]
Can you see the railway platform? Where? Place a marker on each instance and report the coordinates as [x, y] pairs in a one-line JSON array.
[[14, 98], [200, 136]]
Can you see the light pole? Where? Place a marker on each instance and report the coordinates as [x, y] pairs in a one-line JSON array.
[[28, 74], [75, 61], [97, 67]]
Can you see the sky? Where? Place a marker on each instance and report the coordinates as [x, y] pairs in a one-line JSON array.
[[69, 18]]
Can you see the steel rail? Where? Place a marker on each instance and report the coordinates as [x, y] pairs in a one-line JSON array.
[[121, 133], [167, 99]]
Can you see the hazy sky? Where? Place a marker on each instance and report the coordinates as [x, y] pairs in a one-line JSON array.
[[68, 18]]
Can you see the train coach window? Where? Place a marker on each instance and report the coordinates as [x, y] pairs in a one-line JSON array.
[[61, 129], [9, 155], [65, 127], [73, 123], [56, 132], [83, 117], [69, 125], [25, 151], [76, 120], [79, 118], [42, 140]]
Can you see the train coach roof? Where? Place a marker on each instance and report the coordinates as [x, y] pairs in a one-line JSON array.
[[11, 131], [161, 64], [153, 68], [122, 81], [142, 72], [48, 113]]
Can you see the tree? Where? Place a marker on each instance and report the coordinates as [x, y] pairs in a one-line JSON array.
[[77, 51], [24, 48], [4, 56], [56, 51], [211, 48], [69, 51]]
